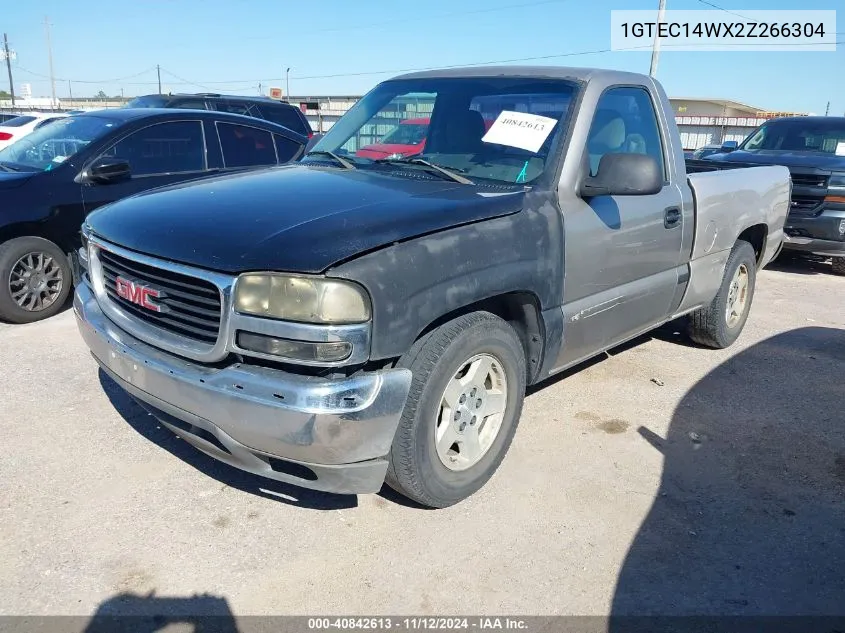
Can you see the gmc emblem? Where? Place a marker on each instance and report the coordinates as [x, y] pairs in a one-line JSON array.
[[138, 294]]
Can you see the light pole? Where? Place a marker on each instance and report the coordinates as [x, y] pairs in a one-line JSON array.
[[287, 84], [655, 50]]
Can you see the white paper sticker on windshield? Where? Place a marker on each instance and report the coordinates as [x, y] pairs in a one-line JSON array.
[[520, 129], [59, 159], [840, 149]]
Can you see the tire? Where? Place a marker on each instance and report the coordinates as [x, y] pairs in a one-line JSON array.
[[417, 470], [838, 264], [45, 257], [710, 326]]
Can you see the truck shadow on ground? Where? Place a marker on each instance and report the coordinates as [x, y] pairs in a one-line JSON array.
[[133, 613], [801, 264], [749, 518], [147, 426]]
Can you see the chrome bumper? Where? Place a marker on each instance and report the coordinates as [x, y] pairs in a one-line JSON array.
[[323, 434]]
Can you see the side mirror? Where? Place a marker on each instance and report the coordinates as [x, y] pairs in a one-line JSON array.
[[729, 146], [108, 170], [624, 175]]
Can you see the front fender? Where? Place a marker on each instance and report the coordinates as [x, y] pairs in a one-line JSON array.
[[415, 283]]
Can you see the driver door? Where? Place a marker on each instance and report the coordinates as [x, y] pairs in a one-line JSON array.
[[623, 251]]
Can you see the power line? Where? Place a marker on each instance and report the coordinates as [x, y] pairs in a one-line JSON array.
[[250, 83], [716, 6], [87, 81]]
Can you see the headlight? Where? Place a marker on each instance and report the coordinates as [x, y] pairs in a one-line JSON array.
[[836, 190], [395, 156], [304, 299], [837, 181]]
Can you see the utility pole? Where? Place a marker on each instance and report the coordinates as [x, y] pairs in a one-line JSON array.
[[70, 92], [158, 72], [8, 57], [53, 104], [287, 84], [655, 50], [827, 109], [122, 98]]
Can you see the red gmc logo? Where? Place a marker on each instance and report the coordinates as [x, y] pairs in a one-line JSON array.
[[137, 293]]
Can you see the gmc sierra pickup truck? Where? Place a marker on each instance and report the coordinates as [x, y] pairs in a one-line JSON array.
[[349, 320]]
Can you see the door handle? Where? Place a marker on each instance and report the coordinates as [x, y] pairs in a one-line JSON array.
[[671, 217]]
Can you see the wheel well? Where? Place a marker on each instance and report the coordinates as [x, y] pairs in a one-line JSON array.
[[522, 311], [32, 229], [756, 236]]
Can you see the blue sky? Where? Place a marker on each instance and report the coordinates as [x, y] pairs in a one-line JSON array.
[[232, 45]]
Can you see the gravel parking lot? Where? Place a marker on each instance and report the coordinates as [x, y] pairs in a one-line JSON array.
[[661, 478]]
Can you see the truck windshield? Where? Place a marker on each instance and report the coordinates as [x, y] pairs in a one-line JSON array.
[[51, 145], [503, 129], [406, 134], [799, 135]]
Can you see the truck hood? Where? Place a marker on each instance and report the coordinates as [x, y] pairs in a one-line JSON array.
[[11, 180], [788, 159], [296, 218]]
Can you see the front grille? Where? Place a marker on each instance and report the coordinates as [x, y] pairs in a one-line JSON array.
[[805, 206], [190, 306], [809, 180]]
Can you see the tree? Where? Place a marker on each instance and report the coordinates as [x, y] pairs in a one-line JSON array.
[[101, 95], [5, 95]]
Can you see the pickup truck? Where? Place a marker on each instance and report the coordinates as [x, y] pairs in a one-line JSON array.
[[813, 148], [345, 321]]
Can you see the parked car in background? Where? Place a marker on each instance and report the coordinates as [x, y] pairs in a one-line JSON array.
[[813, 148], [265, 108], [406, 139], [18, 127], [52, 178], [382, 322], [707, 150]]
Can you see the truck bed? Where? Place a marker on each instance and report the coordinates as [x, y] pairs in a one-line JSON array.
[[757, 195]]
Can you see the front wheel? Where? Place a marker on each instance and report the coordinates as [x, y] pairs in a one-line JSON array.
[[838, 264], [462, 410], [35, 279], [720, 324]]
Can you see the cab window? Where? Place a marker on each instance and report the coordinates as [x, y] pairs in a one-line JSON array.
[[624, 122]]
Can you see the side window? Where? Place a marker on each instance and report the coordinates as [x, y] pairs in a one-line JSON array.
[[189, 105], [625, 121], [163, 148], [45, 122], [245, 146], [286, 117], [286, 149], [239, 107]]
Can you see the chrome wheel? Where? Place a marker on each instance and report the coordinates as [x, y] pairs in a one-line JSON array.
[[737, 297], [471, 411], [36, 281]]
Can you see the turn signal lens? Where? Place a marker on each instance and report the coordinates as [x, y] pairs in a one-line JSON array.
[[294, 350]]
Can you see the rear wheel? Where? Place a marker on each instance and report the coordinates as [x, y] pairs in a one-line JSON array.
[[838, 264], [35, 279], [462, 410], [720, 324]]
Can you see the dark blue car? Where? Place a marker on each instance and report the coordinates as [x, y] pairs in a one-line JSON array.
[[51, 179]]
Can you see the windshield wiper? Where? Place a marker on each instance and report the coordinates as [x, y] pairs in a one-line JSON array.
[[344, 162], [6, 167], [413, 160]]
